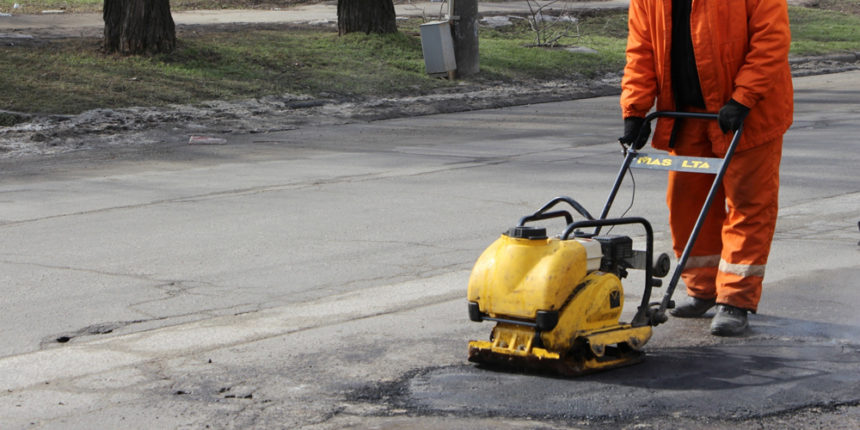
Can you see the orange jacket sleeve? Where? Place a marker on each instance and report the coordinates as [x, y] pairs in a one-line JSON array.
[[770, 41], [639, 84]]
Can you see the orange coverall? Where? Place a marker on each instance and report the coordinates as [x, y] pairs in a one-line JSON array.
[[741, 53]]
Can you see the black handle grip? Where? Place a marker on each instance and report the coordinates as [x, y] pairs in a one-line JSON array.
[[548, 215], [543, 214]]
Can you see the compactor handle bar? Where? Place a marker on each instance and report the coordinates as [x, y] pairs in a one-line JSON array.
[[659, 315], [645, 131], [542, 214], [646, 314]]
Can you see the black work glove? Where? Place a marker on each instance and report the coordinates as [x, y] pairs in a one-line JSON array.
[[632, 128], [732, 115]]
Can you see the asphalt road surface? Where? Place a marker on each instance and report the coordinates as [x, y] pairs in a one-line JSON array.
[[316, 279]]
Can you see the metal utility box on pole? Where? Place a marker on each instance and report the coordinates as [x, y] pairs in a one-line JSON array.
[[451, 47], [438, 48]]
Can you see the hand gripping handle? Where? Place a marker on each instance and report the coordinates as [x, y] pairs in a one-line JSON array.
[[645, 130]]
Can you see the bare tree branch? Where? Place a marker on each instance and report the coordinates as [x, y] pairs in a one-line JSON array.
[[550, 30]]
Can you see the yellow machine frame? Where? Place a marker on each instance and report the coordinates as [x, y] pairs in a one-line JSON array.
[[557, 301]]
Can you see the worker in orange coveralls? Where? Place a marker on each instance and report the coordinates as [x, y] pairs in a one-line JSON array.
[[730, 57]]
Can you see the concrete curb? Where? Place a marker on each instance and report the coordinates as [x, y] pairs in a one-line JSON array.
[[848, 57]]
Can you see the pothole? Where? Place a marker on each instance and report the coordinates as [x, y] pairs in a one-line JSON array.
[[92, 330]]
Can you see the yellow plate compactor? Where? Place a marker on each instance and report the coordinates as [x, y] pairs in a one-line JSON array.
[[557, 301]]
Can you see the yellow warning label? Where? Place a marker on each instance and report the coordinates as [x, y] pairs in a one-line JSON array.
[[673, 163], [695, 164], [655, 161]]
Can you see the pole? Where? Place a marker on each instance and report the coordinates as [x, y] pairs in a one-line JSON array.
[[464, 30]]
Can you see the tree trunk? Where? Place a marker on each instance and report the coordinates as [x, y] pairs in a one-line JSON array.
[[465, 35], [368, 16], [135, 27]]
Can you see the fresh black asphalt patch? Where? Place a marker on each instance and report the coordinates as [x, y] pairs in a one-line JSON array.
[[722, 382]]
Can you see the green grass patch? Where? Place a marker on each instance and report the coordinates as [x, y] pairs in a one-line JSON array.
[[72, 76], [816, 32], [507, 53], [511, 60]]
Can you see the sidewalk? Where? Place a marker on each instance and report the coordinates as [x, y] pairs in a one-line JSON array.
[[59, 25]]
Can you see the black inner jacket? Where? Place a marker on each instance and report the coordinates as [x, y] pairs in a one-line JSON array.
[[685, 77]]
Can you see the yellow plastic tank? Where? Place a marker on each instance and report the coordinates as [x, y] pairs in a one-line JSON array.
[[516, 277]]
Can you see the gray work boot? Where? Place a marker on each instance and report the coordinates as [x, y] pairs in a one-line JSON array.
[[729, 321], [694, 308]]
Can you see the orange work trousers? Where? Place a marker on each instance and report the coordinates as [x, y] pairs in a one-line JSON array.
[[728, 260]]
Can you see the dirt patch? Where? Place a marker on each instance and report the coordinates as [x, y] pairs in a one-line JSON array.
[[146, 126], [827, 64]]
